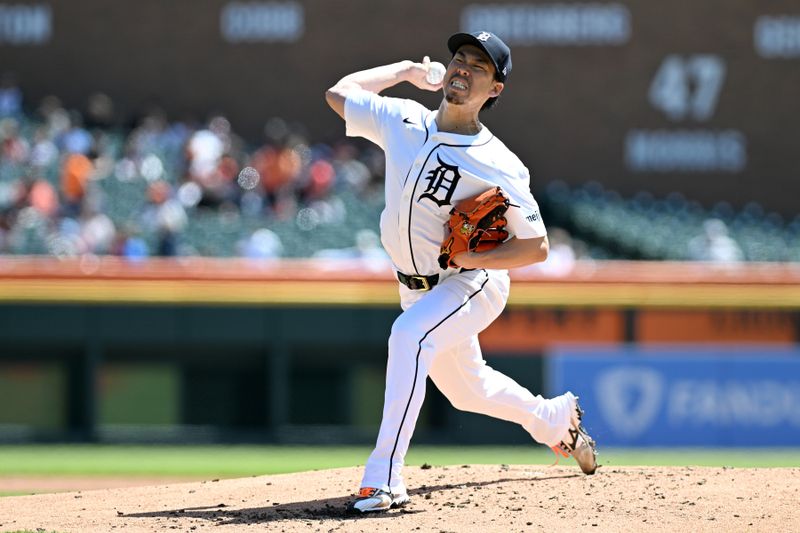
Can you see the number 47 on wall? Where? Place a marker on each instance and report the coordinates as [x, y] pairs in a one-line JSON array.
[[688, 87]]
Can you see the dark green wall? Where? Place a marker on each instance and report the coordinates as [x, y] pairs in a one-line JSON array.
[[224, 374]]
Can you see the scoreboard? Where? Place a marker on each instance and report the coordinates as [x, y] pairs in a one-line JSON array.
[[694, 97]]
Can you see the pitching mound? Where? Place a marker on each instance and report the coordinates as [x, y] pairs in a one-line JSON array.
[[469, 498]]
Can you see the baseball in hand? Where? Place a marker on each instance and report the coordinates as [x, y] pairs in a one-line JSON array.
[[435, 73]]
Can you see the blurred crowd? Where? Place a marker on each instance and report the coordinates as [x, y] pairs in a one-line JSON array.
[[63, 173], [75, 183]]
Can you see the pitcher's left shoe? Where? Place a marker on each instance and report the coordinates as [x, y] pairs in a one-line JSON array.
[[371, 500], [578, 444]]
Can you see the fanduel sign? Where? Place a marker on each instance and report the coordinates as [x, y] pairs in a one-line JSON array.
[[684, 397]]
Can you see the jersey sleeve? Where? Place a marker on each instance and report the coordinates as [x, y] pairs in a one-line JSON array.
[[524, 218], [370, 115]]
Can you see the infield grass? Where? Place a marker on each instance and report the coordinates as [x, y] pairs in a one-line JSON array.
[[237, 461]]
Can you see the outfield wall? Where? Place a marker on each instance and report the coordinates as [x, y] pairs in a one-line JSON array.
[[690, 395], [230, 350]]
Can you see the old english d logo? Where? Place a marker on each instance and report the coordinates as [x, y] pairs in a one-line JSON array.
[[629, 399], [442, 182]]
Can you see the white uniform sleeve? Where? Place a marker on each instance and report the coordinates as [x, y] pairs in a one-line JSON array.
[[525, 221], [368, 115]]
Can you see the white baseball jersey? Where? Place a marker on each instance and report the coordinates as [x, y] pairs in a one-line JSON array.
[[428, 171]]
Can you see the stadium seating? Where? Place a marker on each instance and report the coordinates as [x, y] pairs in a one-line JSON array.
[[645, 227], [607, 225]]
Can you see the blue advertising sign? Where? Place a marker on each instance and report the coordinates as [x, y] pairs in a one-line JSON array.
[[687, 396]]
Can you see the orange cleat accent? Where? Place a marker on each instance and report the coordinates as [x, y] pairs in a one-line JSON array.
[[560, 452], [366, 492]]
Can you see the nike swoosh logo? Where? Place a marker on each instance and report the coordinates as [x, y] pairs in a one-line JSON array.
[[407, 121]]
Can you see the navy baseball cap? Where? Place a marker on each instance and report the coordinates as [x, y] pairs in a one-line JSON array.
[[495, 48]]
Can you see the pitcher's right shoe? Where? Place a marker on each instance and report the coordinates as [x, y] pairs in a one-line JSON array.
[[578, 444], [372, 500]]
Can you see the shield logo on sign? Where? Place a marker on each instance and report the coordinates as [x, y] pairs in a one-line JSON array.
[[629, 399]]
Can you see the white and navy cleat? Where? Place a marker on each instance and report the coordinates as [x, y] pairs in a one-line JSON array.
[[578, 444], [371, 500]]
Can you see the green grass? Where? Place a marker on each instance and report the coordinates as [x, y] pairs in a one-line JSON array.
[[235, 461]]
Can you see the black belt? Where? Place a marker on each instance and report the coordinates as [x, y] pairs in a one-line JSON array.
[[418, 283], [422, 283]]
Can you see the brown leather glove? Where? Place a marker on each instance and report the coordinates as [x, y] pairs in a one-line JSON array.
[[476, 224]]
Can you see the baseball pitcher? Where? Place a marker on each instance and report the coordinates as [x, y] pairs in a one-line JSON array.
[[459, 213]]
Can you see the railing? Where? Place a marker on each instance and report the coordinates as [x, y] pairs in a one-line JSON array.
[[347, 282]]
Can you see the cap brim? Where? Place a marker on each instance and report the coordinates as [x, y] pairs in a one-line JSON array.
[[458, 40]]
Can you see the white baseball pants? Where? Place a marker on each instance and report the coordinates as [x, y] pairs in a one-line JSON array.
[[437, 336]]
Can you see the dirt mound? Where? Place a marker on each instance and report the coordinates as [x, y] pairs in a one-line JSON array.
[[467, 498]]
